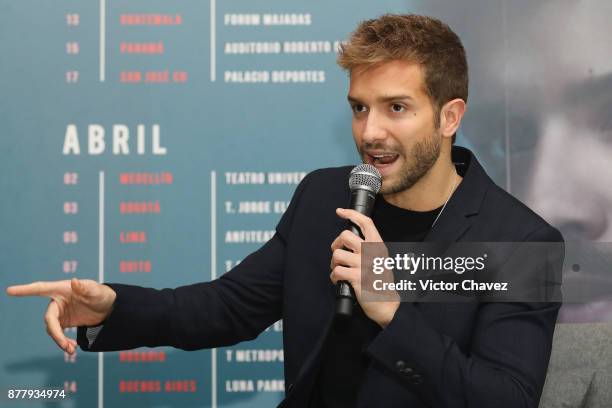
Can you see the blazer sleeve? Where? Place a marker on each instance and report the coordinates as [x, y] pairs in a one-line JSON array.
[[504, 367], [233, 308]]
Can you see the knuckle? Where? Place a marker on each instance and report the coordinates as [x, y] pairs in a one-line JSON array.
[[336, 242], [346, 234], [360, 217]]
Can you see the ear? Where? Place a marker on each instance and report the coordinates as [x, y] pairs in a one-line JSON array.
[[450, 116]]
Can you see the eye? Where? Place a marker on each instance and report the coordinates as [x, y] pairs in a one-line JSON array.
[[358, 108], [397, 108]]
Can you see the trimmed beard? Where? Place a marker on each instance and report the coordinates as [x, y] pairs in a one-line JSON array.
[[424, 155]]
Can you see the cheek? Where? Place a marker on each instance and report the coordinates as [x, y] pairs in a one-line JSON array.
[[423, 120], [415, 127], [407, 130], [357, 129]]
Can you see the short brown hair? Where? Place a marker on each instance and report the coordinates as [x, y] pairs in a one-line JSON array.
[[426, 41]]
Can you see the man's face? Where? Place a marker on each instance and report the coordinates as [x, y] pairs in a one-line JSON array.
[[571, 180], [558, 98], [393, 123]]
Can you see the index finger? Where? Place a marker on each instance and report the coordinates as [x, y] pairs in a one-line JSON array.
[[347, 240], [365, 223], [35, 289]]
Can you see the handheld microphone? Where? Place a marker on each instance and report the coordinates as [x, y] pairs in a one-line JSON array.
[[364, 183]]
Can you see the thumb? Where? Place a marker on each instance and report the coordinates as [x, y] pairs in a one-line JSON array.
[[78, 287]]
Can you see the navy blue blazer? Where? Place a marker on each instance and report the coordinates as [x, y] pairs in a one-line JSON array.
[[430, 355]]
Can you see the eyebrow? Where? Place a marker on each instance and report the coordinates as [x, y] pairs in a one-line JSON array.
[[384, 98]]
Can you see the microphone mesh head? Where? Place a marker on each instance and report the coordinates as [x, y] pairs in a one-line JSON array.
[[365, 176]]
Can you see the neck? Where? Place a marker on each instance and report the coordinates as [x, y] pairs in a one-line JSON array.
[[433, 189]]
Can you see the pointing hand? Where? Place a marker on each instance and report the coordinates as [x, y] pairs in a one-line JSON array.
[[73, 303]]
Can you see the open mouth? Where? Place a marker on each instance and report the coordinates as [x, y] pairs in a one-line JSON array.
[[381, 159]]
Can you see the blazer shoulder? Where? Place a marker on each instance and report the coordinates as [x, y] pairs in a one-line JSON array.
[[328, 179], [333, 173], [316, 197], [514, 219]]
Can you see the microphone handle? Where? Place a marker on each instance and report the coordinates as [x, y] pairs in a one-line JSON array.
[[363, 202]]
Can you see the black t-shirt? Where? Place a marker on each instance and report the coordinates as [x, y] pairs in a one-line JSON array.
[[344, 362]]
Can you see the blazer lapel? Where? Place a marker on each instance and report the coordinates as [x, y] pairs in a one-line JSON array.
[[465, 203], [450, 227]]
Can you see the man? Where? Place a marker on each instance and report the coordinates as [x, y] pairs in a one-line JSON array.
[[563, 168], [408, 93]]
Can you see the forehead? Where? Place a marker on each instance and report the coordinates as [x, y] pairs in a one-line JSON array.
[[562, 42], [389, 78]]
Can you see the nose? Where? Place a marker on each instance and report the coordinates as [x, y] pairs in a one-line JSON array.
[[373, 128], [565, 191]]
